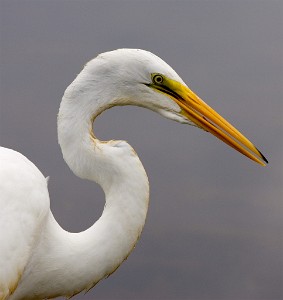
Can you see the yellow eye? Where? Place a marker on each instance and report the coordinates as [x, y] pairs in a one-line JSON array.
[[158, 79]]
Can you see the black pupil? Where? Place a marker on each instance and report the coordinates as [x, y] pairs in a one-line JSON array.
[[158, 79]]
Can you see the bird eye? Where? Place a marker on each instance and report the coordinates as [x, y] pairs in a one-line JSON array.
[[158, 79]]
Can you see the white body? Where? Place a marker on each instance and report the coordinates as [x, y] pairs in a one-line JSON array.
[[40, 258]]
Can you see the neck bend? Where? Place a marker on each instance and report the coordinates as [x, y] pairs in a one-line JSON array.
[[85, 258]]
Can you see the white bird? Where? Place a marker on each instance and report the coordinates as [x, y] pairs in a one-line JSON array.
[[39, 259]]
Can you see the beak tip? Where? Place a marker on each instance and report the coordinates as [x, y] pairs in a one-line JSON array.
[[263, 157]]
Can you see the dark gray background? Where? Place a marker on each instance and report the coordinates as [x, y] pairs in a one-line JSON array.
[[214, 228]]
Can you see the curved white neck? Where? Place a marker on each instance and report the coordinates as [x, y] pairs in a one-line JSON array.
[[84, 258]]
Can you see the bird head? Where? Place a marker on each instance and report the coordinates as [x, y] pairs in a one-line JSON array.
[[138, 77]]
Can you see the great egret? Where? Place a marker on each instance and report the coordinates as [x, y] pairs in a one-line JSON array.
[[39, 259]]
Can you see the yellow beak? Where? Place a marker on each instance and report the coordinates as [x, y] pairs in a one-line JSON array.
[[197, 111]]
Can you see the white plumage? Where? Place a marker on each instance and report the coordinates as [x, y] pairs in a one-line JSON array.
[[39, 259]]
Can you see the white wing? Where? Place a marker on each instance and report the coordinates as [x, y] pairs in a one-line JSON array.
[[24, 202]]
